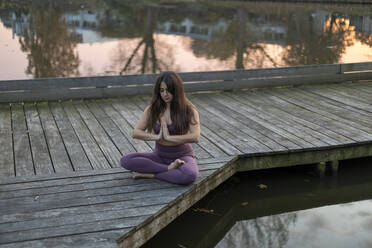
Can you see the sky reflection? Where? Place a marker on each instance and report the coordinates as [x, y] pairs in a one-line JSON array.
[[343, 225]]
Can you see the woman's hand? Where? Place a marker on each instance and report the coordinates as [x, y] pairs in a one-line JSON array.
[[160, 135], [164, 129]]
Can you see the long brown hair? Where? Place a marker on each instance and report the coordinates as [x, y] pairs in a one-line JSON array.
[[181, 109]]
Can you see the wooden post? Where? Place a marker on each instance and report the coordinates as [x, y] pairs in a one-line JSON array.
[[321, 168], [334, 167]]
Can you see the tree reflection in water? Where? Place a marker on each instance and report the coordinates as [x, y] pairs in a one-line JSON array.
[[222, 36], [312, 42], [269, 232], [145, 60], [49, 46], [240, 40]]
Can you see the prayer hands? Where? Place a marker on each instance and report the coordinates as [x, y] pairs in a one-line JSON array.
[[164, 129]]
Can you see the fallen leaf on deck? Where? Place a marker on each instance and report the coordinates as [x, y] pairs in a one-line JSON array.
[[243, 204], [262, 186]]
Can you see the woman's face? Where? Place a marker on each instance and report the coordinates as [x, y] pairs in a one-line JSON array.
[[165, 94]]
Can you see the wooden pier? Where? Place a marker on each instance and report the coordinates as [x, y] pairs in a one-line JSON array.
[[60, 180]]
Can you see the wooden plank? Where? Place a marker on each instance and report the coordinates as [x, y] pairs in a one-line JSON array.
[[310, 156], [86, 177], [95, 155], [90, 209], [72, 192], [366, 86], [235, 111], [105, 143], [116, 86], [347, 95], [311, 114], [76, 82], [104, 81], [350, 93], [242, 141], [340, 125], [132, 113], [341, 110], [56, 145], [74, 200], [341, 99], [39, 147], [70, 140], [92, 92], [100, 186], [105, 239], [119, 117], [304, 127], [270, 123], [349, 67], [294, 129], [36, 225], [119, 139], [103, 225], [65, 212], [22, 151], [200, 153], [143, 232], [237, 120], [86, 227], [353, 90], [49, 193], [7, 168], [338, 108], [305, 115]]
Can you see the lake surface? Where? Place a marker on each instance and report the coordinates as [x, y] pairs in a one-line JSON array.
[[87, 38], [284, 207]]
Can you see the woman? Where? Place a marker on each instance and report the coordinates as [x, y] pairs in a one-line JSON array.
[[173, 122]]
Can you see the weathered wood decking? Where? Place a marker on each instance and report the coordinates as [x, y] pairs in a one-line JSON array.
[[80, 197]]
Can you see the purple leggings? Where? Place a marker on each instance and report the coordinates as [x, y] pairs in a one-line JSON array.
[[157, 163]]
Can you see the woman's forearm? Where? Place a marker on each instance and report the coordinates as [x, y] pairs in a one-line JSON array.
[[142, 135], [186, 138]]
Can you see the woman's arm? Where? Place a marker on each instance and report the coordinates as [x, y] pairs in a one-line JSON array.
[[139, 130], [193, 136]]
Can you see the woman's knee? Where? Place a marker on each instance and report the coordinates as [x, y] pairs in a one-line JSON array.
[[125, 161], [188, 176]]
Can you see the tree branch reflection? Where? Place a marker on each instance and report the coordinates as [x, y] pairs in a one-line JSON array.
[[269, 231], [50, 47]]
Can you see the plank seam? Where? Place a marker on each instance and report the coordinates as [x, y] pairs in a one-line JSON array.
[[307, 109], [103, 128], [76, 135], [249, 135], [343, 121], [29, 138], [90, 131], [46, 140], [11, 126], [60, 135]]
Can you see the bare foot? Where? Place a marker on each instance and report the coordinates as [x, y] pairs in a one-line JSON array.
[[175, 164], [136, 175]]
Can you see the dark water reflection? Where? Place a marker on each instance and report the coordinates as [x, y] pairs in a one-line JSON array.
[[297, 209], [61, 38]]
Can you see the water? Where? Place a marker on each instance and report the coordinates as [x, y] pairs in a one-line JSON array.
[[296, 209], [343, 225], [86, 38]]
